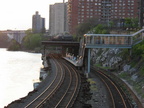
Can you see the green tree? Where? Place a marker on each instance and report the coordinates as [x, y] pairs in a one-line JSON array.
[[29, 31], [87, 26], [14, 46], [31, 41], [131, 22], [135, 22], [128, 22], [83, 28], [138, 50], [111, 24], [100, 29]]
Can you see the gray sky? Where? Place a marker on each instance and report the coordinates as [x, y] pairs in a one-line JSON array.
[[17, 14]]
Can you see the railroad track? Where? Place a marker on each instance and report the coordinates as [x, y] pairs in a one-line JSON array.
[[118, 97], [63, 90]]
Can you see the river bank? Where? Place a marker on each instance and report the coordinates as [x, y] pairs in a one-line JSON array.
[[18, 71], [45, 77]]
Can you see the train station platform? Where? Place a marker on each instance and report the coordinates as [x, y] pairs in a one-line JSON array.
[[75, 62]]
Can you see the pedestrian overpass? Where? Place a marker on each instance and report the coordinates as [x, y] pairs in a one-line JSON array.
[[109, 41], [113, 40], [91, 41]]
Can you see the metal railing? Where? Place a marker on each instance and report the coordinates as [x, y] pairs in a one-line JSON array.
[[113, 40]]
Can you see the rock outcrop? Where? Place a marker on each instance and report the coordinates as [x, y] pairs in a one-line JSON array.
[[106, 57]]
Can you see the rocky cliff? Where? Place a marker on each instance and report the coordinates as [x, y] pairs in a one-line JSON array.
[[106, 57], [123, 63]]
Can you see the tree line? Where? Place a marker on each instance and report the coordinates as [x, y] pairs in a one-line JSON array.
[[95, 26], [31, 42]]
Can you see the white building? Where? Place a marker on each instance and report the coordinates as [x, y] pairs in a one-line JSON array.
[[58, 19]]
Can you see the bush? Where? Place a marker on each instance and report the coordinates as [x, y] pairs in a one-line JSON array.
[[123, 75], [138, 50], [14, 46]]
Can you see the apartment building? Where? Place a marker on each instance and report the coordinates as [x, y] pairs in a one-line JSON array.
[[38, 23], [58, 19], [103, 10]]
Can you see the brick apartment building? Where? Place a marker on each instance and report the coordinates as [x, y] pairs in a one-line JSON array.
[[103, 10]]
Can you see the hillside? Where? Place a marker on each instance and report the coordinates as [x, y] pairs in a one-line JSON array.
[[128, 64]]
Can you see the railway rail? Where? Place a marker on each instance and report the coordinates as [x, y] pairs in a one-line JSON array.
[[118, 97], [63, 90]]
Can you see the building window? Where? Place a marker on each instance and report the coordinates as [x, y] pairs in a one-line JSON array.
[[82, 6]]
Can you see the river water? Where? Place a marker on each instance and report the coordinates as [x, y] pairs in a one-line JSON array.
[[18, 71]]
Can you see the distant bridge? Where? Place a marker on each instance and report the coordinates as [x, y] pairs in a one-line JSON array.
[[17, 35]]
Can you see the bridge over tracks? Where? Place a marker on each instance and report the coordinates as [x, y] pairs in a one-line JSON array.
[[110, 41]]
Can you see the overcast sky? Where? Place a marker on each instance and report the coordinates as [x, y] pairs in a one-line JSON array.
[[17, 14]]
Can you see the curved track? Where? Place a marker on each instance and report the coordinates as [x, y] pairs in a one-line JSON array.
[[118, 97], [63, 90]]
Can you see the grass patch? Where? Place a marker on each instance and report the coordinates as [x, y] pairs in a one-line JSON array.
[[93, 86], [99, 66], [142, 95], [133, 63], [142, 71], [138, 89], [123, 75], [91, 81]]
